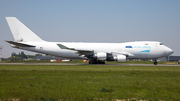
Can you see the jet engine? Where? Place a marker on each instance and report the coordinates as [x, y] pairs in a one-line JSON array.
[[101, 56], [120, 58]]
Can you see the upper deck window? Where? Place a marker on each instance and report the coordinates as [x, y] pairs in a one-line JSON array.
[[161, 44]]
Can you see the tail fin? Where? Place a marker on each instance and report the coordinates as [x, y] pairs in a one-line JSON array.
[[20, 31]]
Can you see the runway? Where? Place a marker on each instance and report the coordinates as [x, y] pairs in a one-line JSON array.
[[87, 64]]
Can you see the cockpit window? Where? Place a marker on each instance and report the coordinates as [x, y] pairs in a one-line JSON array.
[[161, 44]]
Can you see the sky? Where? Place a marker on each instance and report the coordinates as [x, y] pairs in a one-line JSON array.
[[113, 21]]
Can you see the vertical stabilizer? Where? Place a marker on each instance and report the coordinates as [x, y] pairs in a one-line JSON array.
[[20, 31]]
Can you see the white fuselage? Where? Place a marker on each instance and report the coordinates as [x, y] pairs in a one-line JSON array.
[[135, 50]]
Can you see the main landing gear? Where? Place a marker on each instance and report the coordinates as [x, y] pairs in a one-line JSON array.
[[155, 62], [96, 62]]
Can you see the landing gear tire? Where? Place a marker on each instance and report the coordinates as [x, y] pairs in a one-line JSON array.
[[96, 62], [155, 62], [101, 62], [92, 62]]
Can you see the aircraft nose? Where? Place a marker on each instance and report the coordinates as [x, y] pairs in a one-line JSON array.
[[168, 51]]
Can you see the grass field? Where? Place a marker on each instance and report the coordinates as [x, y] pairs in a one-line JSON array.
[[89, 82]]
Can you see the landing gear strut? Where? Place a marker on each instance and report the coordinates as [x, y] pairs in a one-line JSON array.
[[96, 62], [155, 62]]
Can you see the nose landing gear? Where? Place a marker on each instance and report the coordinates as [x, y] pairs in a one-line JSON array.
[[155, 62]]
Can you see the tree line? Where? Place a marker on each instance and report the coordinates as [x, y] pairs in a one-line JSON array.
[[21, 56]]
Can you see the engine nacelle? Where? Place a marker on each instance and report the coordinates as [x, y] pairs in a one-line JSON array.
[[101, 56], [120, 58]]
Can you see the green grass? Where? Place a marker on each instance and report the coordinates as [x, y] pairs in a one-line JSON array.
[[89, 82]]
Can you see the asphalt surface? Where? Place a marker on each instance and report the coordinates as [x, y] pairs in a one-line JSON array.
[[86, 64]]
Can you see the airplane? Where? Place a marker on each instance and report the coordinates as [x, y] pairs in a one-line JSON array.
[[96, 53]]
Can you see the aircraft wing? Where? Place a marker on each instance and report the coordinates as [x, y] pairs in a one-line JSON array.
[[86, 53], [20, 44], [90, 53], [122, 53]]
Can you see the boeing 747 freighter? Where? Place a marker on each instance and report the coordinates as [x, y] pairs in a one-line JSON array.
[[96, 53]]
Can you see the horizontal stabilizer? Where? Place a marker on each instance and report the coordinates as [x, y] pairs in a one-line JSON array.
[[20, 44]]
